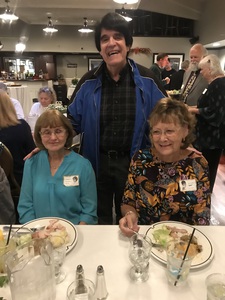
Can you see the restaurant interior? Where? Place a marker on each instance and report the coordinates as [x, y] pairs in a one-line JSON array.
[[51, 43]]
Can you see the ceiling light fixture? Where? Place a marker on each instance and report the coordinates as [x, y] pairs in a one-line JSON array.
[[8, 16], [124, 14], [20, 47], [127, 1], [1, 45], [50, 28], [85, 28]]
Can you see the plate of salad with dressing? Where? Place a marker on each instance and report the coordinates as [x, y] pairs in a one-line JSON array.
[[164, 232]]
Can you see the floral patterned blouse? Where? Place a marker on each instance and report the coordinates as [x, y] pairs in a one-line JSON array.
[[154, 189]]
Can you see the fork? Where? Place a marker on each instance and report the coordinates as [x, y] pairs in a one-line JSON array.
[[33, 229], [138, 234]]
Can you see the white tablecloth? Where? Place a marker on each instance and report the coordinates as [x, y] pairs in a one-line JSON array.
[[21, 93], [104, 245]]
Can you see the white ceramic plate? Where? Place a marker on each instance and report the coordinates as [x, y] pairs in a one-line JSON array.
[[70, 228], [201, 259]]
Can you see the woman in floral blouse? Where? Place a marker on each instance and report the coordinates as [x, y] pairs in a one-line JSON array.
[[167, 181]]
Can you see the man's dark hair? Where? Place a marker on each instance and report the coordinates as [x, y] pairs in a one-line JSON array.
[[161, 56], [113, 21]]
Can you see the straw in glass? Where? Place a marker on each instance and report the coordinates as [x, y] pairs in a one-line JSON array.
[[184, 257]]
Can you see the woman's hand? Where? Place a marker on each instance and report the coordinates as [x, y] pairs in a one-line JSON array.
[[36, 150], [128, 222]]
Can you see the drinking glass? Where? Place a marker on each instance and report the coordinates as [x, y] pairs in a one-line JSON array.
[[139, 254], [215, 284], [59, 254], [178, 264]]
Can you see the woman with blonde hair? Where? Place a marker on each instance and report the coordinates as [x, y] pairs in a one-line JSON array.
[[167, 182], [15, 134]]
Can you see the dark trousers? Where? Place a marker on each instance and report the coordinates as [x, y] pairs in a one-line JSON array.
[[213, 158], [111, 181]]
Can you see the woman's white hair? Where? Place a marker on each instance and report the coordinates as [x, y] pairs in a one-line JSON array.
[[213, 63]]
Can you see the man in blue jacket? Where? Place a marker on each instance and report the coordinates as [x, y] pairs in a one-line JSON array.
[[111, 105]]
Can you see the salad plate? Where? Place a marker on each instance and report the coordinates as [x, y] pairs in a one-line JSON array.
[[202, 259], [70, 229]]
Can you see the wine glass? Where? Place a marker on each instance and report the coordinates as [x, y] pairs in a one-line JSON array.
[[59, 254], [139, 254]]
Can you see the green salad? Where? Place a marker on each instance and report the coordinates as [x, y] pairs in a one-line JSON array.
[[162, 236]]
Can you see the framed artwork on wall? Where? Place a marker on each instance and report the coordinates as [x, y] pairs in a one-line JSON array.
[[175, 59], [93, 63]]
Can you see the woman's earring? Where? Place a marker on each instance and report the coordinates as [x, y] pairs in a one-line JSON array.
[[183, 140]]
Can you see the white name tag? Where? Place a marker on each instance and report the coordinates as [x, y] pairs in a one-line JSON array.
[[188, 185], [182, 86], [72, 180], [205, 90]]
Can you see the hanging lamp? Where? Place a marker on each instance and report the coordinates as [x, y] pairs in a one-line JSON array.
[[50, 28], [85, 28], [8, 15]]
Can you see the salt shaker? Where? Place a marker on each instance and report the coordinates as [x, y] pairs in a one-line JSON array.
[[101, 290], [81, 291]]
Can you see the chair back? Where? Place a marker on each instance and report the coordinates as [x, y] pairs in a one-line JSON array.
[[6, 162]]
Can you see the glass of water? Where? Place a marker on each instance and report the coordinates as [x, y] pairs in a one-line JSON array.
[[215, 284], [139, 255]]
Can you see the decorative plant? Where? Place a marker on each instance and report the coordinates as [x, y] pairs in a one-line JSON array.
[[74, 81]]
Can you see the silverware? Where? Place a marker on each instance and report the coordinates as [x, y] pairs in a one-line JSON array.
[[33, 229], [143, 236]]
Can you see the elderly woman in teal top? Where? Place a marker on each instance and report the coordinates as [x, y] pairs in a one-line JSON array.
[[48, 186]]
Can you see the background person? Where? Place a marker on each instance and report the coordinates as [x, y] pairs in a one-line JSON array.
[[157, 68], [176, 79], [51, 190], [15, 134], [15, 102], [111, 105], [168, 71], [154, 190], [210, 113], [46, 96], [194, 83]]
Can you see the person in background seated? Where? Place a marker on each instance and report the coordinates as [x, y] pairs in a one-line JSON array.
[[48, 187], [15, 102], [15, 134], [210, 114], [46, 96], [167, 181]]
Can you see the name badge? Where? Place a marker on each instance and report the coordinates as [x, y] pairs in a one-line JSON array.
[[205, 90], [72, 180], [188, 185], [182, 86]]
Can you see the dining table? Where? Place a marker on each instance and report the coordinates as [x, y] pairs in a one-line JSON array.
[[20, 93], [105, 245]]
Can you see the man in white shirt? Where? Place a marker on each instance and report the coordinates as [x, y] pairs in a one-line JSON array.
[[15, 102]]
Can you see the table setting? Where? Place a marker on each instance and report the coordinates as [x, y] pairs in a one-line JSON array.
[[104, 245]]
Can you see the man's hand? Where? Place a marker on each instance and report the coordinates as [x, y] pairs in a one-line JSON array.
[[36, 150]]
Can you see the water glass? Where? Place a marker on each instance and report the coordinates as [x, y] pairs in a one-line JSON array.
[[178, 265], [59, 254], [139, 254], [71, 290], [215, 284]]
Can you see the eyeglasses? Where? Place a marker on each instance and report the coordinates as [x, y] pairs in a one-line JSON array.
[[48, 133], [45, 90], [168, 133]]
